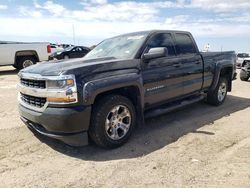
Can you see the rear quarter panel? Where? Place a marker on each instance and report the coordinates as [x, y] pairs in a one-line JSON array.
[[214, 62]]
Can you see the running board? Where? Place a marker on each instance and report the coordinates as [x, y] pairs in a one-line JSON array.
[[169, 108]]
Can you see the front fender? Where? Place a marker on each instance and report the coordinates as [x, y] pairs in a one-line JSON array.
[[92, 88]]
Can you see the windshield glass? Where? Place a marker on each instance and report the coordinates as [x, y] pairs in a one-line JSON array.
[[121, 47], [69, 48]]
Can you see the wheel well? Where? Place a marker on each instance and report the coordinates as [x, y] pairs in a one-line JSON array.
[[131, 92], [21, 54], [227, 73]]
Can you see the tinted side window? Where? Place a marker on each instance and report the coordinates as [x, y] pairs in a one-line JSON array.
[[184, 44], [162, 40], [85, 51]]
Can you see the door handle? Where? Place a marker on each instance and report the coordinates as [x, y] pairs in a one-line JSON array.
[[197, 62]]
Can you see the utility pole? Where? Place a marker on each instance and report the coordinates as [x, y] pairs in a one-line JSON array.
[[74, 36]]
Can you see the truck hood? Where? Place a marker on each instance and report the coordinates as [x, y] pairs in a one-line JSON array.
[[80, 66]]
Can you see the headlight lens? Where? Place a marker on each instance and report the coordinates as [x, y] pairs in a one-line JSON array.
[[66, 86], [60, 84]]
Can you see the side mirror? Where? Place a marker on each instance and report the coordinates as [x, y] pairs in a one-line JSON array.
[[156, 53]]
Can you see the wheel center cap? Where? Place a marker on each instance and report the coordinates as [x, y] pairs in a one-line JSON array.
[[116, 121]]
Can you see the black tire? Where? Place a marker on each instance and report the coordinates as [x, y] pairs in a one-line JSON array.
[[213, 96], [66, 57], [22, 63], [244, 78], [101, 109]]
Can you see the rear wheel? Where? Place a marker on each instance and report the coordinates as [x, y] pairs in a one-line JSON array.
[[218, 96], [66, 57], [112, 122], [26, 62], [244, 78]]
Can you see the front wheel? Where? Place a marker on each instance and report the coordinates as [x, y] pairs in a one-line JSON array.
[[244, 78], [112, 122], [218, 96]]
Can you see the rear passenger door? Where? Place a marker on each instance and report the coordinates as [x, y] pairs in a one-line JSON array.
[[162, 77], [192, 64]]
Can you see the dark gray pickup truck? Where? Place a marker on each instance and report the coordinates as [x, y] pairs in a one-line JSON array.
[[120, 82]]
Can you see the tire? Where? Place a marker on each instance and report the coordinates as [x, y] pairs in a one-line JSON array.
[[244, 78], [107, 119], [66, 57], [25, 62], [218, 96]]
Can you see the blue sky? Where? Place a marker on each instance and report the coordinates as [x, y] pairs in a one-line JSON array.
[[221, 23]]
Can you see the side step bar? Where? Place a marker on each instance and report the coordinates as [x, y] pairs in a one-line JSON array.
[[169, 108]]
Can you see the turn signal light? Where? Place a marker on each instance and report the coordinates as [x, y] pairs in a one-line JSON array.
[[61, 100]]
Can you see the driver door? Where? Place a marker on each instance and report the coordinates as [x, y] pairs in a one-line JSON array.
[[162, 77]]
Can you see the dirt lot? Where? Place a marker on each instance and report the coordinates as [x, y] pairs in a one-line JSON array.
[[199, 146]]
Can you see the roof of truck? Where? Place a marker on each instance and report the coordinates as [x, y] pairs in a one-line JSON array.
[[153, 31]]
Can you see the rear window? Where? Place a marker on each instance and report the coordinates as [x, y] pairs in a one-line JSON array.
[[184, 44]]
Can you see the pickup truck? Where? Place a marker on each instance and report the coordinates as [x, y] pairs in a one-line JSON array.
[[118, 84], [21, 55]]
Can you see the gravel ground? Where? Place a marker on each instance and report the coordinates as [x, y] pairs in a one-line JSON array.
[[199, 146]]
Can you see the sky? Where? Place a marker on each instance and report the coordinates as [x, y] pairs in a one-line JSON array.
[[224, 24]]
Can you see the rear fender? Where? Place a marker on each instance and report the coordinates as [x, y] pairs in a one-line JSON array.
[[217, 75]]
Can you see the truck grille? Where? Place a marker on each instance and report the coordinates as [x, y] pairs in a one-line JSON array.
[[33, 101], [33, 83]]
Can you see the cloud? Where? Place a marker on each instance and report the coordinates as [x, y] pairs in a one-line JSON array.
[[51, 7], [25, 11], [87, 2], [3, 7], [220, 5], [95, 20], [103, 10]]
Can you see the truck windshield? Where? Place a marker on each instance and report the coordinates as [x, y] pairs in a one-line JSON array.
[[121, 47]]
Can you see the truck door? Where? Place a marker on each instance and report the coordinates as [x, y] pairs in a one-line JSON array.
[[162, 77], [74, 52], [192, 64]]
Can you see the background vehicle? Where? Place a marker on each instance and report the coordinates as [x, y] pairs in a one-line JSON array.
[[240, 59], [119, 83], [55, 48], [71, 52], [245, 70], [21, 55]]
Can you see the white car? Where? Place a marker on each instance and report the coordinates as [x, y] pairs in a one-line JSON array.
[[240, 59], [21, 55], [55, 48]]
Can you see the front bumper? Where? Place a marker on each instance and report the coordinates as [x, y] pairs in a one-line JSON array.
[[69, 125]]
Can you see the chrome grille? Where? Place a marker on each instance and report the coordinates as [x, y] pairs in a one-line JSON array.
[[41, 84], [33, 101]]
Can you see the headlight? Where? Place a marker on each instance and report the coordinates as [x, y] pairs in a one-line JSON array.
[[66, 86], [60, 84]]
